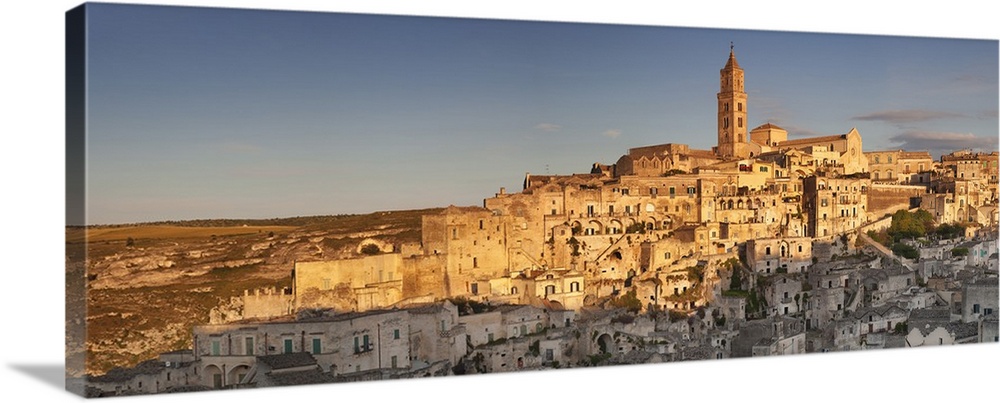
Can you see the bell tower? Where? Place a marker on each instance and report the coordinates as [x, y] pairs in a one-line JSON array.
[[732, 109]]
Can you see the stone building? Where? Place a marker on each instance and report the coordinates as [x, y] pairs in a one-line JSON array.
[[171, 371], [901, 167], [835, 205], [774, 255], [337, 344], [772, 336], [783, 294], [980, 299]]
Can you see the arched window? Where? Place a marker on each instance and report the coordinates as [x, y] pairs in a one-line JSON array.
[[513, 290], [550, 289]]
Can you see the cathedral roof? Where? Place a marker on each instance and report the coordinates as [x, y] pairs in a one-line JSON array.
[[768, 126], [731, 64], [812, 140]]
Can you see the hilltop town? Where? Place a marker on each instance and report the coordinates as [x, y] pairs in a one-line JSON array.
[[760, 246]]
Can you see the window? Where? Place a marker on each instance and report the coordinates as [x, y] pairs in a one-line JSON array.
[[248, 346], [393, 361], [475, 262], [489, 338], [317, 346], [740, 121], [691, 191], [395, 334], [767, 251], [739, 106], [288, 346], [673, 191], [975, 308], [216, 347]]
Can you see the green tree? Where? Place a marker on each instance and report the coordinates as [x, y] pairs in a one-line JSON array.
[[736, 281], [629, 301], [905, 250]]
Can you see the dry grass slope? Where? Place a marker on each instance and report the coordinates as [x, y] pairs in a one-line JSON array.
[[143, 298]]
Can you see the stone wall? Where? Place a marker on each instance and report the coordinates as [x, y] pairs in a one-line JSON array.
[[887, 199]]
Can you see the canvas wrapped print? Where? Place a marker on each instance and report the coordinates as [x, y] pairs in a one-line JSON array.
[[268, 198]]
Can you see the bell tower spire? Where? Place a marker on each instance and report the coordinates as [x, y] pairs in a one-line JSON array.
[[732, 106]]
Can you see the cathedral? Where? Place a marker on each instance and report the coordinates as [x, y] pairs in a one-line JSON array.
[[842, 152]]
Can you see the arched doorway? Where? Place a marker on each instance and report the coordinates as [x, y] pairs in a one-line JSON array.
[[237, 374], [605, 343], [213, 376]]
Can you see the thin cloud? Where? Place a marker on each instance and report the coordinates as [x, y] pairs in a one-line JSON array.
[[991, 114], [796, 131], [943, 142], [612, 133], [907, 116], [548, 127]]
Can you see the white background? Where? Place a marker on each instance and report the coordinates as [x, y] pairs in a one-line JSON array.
[[32, 152]]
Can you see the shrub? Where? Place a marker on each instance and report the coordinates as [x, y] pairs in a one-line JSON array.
[[629, 301], [905, 250]]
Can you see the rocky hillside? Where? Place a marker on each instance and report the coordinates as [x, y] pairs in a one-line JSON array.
[[149, 283]]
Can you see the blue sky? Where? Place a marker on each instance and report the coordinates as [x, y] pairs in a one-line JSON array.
[[209, 113]]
